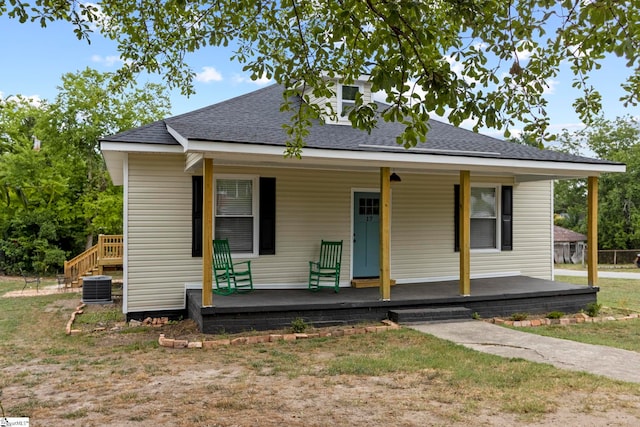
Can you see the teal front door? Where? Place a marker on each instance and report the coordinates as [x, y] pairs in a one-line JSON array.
[[366, 235]]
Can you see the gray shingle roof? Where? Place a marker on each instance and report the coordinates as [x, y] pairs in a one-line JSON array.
[[255, 118], [153, 133]]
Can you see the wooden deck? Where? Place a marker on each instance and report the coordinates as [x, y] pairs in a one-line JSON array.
[[108, 252], [276, 309]]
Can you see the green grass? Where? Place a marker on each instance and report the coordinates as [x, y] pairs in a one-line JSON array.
[[601, 267], [618, 297], [620, 294], [620, 334], [80, 413], [407, 363], [453, 370], [20, 315], [102, 315]]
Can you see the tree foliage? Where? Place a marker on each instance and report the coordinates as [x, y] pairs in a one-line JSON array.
[[55, 191], [619, 194], [506, 51]]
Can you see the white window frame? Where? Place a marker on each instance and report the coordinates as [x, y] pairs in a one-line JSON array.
[[341, 118], [255, 209], [498, 218]]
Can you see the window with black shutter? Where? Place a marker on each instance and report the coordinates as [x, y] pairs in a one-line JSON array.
[[487, 217], [239, 214]]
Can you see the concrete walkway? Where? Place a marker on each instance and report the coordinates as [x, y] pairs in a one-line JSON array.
[[489, 338], [601, 273]]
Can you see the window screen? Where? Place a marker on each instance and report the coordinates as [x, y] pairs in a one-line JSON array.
[[235, 213], [483, 217]]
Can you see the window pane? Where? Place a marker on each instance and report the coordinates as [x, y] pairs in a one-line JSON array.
[[369, 206], [349, 92], [483, 233], [239, 231], [234, 197], [348, 99], [346, 108], [483, 202]]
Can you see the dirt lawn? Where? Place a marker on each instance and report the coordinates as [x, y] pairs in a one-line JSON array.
[[120, 376]]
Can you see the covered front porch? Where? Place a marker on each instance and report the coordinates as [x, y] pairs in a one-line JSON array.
[[496, 296]]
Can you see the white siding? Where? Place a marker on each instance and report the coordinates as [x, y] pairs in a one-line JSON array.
[[312, 205], [159, 233], [192, 160], [422, 230], [333, 101]]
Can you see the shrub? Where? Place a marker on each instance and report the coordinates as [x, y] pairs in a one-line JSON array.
[[519, 316], [593, 309], [555, 315], [298, 325]]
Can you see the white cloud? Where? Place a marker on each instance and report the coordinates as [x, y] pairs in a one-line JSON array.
[[208, 74], [100, 19], [578, 51], [548, 86], [33, 100], [551, 87], [571, 127], [523, 53], [243, 79], [457, 68], [109, 60]]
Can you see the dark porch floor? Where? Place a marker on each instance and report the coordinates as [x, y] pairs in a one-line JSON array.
[[276, 309]]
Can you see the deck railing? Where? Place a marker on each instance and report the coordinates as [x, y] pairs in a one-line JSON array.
[[107, 252], [110, 249]]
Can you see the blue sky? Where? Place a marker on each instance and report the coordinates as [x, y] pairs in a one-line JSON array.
[[33, 59]]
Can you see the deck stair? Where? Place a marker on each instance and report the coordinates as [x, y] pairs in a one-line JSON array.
[[413, 315], [106, 253]]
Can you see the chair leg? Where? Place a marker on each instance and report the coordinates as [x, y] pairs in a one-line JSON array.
[[220, 289], [314, 282]]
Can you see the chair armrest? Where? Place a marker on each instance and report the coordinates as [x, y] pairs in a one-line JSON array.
[[248, 262]]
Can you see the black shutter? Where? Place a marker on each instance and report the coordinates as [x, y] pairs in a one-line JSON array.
[[456, 217], [507, 218], [267, 245], [196, 216]]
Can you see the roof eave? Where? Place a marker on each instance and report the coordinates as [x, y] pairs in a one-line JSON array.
[[234, 151], [115, 153]]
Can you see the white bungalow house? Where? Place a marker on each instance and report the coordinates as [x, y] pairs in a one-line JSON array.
[[467, 206]]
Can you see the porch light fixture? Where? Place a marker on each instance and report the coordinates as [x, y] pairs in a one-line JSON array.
[[394, 177]]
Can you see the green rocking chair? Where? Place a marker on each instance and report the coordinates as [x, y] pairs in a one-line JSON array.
[[325, 273], [228, 278]]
